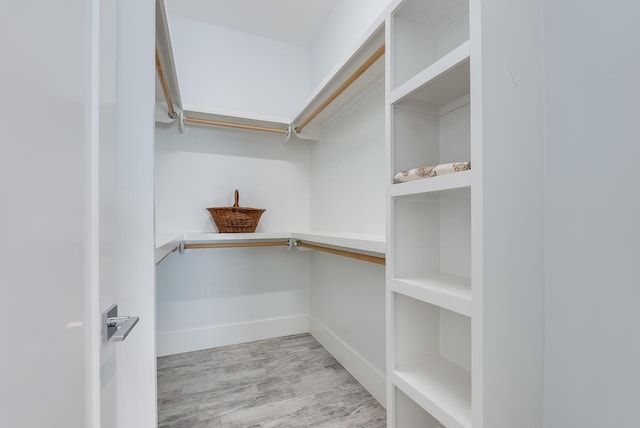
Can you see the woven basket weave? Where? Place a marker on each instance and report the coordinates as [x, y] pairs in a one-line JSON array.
[[236, 219]]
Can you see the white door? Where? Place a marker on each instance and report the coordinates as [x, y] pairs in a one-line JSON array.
[[76, 212]]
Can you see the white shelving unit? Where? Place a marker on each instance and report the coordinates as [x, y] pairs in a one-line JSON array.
[[364, 244], [429, 281]]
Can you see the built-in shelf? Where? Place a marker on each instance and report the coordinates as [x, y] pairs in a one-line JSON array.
[[440, 83], [446, 291], [165, 245], [237, 117], [193, 114], [224, 238], [423, 32], [364, 243], [440, 387], [455, 180], [372, 40]]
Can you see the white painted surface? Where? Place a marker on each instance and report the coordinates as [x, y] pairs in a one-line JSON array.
[[202, 168], [209, 297], [432, 234], [165, 245], [214, 297], [177, 342], [368, 45], [340, 33], [592, 294], [368, 375], [237, 73], [431, 78], [44, 215], [136, 374], [508, 283], [62, 267], [432, 355], [289, 21], [104, 188], [357, 242], [425, 31], [347, 313], [218, 238], [352, 241], [347, 170], [347, 196]]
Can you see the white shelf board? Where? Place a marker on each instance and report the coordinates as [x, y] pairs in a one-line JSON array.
[[442, 82], [367, 243], [222, 238], [165, 245], [446, 291], [455, 180], [372, 40], [374, 244], [439, 387], [236, 117]]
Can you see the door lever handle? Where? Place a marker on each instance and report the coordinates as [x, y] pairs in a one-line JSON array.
[[116, 328]]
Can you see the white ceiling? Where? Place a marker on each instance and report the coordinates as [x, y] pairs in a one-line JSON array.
[[291, 21]]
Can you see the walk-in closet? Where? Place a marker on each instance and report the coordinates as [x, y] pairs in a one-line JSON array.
[[298, 128], [360, 138], [319, 213]]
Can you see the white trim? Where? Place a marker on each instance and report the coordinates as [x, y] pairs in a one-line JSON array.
[[93, 328], [372, 379], [178, 342]]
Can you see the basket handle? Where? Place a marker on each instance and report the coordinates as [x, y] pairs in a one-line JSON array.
[[236, 198]]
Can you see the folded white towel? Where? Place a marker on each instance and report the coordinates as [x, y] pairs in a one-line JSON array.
[[431, 171]]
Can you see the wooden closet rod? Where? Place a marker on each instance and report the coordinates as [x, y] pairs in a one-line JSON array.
[[165, 87], [350, 254], [359, 72], [237, 245], [234, 125]]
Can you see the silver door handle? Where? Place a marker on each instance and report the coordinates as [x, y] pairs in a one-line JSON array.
[[116, 328]]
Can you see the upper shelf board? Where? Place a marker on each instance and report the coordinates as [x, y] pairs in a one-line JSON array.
[[236, 118], [442, 82], [373, 39], [224, 238]]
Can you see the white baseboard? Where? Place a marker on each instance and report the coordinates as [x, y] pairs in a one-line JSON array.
[[372, 379], [221, 335]]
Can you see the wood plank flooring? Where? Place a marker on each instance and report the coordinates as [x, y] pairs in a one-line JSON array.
[[285, 382]]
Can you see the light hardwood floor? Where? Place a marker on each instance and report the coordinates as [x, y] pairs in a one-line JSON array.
[[285, 382]]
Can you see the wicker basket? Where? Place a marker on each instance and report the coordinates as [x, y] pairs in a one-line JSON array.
[[236, 219]]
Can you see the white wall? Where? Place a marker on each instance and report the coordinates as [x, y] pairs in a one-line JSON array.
[[348, 179], [343, 29], [221, 70], [347, 316], [348, 182], [592, 375], [215, 297], [202, 167]]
